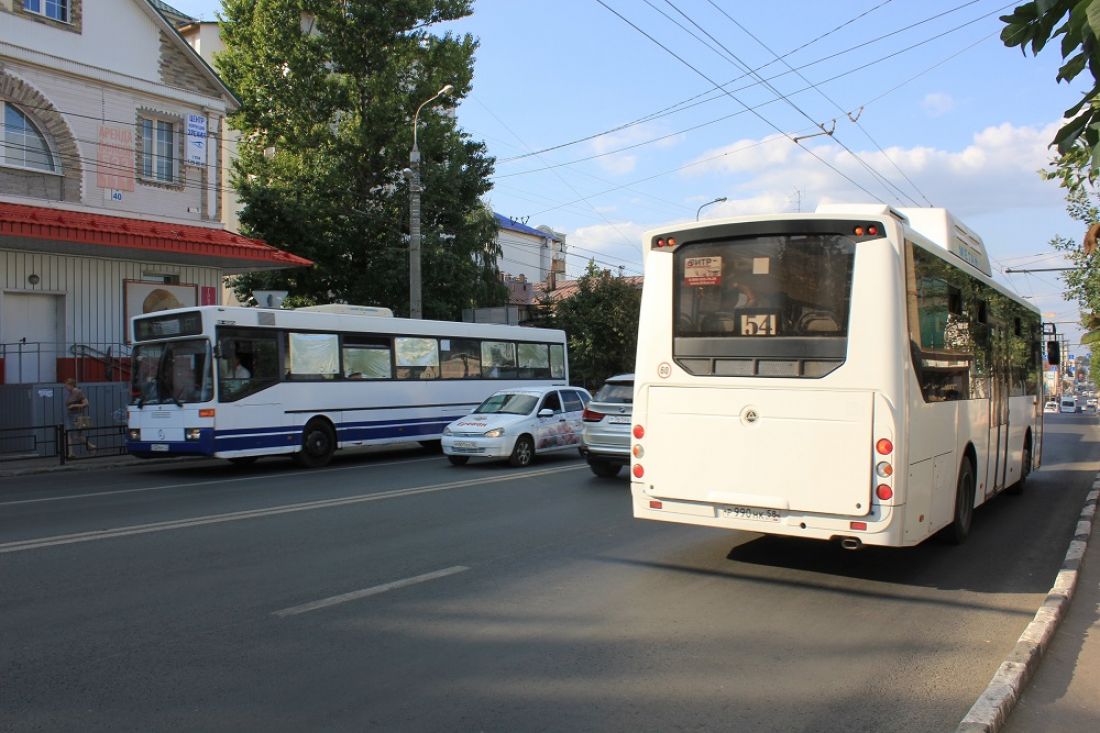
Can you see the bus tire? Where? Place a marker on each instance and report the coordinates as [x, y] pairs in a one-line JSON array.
[[318, 444], [603, 469], [1025, 470], [458, 460], [959, 529], [523, 452], [243, 460]]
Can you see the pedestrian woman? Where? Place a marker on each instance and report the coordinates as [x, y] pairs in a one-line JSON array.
[[77, 418]]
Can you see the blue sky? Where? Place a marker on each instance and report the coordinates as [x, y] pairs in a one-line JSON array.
[[944, 114]]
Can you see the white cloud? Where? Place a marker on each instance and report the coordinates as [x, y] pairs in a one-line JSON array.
[[622, 163], [610, 244], [997, 171], [937, 104]]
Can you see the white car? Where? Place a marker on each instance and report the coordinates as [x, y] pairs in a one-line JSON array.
[[1050, 406], [517, 424]]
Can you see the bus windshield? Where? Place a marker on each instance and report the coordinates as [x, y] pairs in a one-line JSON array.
[[759, 287], [173, 372]]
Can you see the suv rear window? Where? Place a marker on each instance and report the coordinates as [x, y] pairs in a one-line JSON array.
[[616, 392]]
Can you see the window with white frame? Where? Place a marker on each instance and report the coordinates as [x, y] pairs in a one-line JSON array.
[[22, 144], [159, 157], [52, 9]]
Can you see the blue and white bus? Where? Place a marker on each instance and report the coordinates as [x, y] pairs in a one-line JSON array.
[[239, 383]]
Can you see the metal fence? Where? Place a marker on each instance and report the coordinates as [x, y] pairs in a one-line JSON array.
[[55, 441]]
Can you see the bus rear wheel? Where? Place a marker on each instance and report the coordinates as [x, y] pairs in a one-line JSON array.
[[318, 444], [959, 529], [1025, 470]]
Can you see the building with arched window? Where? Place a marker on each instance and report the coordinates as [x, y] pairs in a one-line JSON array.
[[111, 171]]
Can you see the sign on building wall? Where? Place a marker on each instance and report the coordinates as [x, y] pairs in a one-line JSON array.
[[143, 296], [115, 158], [196, 139], [208, 295]]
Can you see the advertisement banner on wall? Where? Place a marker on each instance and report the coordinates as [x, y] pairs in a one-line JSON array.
[[196, 139], [115, 158]]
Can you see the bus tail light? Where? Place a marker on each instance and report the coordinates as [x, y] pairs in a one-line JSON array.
[[884, 447], [639, 432], [637, 451], [638, 471], [857, 525], [884, 492], [654, 504], [884, 470], [591, 415]]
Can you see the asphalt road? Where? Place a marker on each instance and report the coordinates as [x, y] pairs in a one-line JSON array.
[[396, 592]]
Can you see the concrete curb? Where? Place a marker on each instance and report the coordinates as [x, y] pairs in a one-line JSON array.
[[991, 710], [100, 465]]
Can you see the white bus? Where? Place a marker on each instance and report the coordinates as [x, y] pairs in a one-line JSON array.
[[851, 374], [239, 383]]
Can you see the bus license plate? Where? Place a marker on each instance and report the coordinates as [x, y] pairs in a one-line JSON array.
[[744, 512], [159, 447]]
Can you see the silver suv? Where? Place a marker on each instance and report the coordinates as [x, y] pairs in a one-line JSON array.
[[605, 442]]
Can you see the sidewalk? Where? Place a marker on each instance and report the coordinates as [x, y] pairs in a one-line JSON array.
[[31, 466], [1064, 694], [1051, 680]]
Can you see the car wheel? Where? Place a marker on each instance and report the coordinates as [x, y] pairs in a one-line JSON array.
[[458, 460], [603, 469], [318, 444], [523, 452], [959, 529]]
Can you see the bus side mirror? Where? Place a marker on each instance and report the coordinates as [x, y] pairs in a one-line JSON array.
[[1053, 353]]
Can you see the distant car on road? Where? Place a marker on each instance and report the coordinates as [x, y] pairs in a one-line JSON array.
[[605, 442], [517, 424], [1068, 404], [1050, 406]]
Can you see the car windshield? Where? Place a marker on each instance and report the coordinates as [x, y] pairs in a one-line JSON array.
[[174, 372], [508, 403], [617, 392]]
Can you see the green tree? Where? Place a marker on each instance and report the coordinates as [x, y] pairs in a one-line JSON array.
[[601, 321], [1078, 23], [328, 90]]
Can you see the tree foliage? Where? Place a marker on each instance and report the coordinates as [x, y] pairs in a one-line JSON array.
[[328, 91], [1078, 23], [601, 321], [1075, 173]]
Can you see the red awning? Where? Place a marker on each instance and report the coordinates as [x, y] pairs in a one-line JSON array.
[[74, 232]]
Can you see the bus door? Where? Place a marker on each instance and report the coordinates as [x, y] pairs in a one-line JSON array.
[[998, 410]]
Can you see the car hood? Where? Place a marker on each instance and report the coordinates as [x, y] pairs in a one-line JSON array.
[[480, 423]]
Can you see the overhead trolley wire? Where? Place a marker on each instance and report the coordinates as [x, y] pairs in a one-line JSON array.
[[718, 86]]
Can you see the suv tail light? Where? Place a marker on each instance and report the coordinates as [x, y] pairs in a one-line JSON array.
[[590, 415]]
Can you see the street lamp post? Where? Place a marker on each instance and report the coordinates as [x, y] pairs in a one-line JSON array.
[[715, 201], [413, 174]]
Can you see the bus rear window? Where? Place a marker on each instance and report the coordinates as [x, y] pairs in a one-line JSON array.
[[765, 287]]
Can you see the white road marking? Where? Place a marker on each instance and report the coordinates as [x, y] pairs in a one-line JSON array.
[[309, 472], [136, 529], [357, 594]]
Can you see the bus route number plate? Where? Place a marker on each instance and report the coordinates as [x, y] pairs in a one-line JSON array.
[[751, 513]]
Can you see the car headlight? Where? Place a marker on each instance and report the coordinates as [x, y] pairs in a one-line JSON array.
[[495, 433], [135, 434], [447, 430]]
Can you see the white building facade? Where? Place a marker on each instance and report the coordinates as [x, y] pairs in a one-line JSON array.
[[111, 170]]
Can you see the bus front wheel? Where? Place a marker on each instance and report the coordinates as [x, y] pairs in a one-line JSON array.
[[959, 529], [318, 444]]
